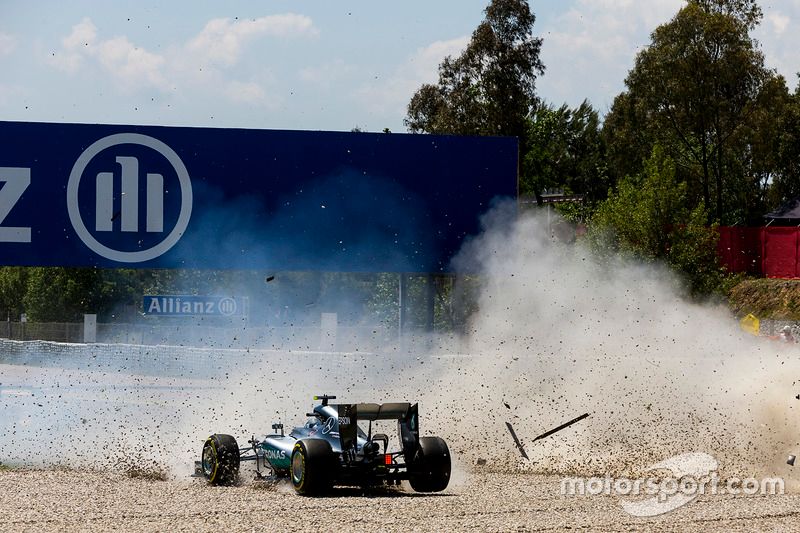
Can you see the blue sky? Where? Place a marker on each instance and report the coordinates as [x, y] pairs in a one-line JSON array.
[[314, 64]]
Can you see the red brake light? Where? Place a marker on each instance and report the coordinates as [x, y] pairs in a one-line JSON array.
[[387, 459]]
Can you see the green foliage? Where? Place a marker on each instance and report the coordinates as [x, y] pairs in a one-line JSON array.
[[491, 87], [786, 150], [637, 217], [746, 12], [628, 135], [60, 294], [762, 161], [565, 151], [697, 91], [13, 282], [649, 218], [693, 252]]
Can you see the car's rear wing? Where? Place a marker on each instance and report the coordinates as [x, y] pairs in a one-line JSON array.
[[406, 414], [382, 411]]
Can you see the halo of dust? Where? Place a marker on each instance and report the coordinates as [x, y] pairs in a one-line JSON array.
[[559, 332]]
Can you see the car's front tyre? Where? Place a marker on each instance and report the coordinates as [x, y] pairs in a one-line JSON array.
[[220, 460]]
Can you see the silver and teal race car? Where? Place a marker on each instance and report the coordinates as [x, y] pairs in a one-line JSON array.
[[331, 448]]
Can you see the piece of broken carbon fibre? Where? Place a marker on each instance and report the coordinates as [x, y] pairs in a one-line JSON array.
[[565, 425], [518, 443]]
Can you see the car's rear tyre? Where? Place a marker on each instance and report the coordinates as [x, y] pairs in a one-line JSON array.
[[430, 471], [313, 467], [220, 460]]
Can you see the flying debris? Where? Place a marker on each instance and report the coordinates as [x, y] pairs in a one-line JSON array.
[[562, 426], [516, 441]]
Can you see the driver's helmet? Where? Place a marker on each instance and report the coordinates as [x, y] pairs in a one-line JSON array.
[[787, 330], [311, 422]]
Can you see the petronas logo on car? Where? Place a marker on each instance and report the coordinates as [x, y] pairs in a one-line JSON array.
[[275, 454]]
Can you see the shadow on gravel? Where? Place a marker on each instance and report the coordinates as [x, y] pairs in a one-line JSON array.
[[282, 485], [342, 492], [380, 492]]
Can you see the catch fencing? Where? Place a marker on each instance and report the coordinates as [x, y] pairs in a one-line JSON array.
[[342, 338], [164, 361]]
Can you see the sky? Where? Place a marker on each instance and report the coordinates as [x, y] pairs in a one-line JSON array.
[[305, 64]]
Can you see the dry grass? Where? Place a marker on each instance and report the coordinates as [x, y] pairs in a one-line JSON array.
[[767, 298]]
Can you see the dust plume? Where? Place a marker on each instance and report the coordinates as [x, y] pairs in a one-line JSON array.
[[559, 332]]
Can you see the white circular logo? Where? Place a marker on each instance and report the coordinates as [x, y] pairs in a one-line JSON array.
[[74, 212], [227, 306]]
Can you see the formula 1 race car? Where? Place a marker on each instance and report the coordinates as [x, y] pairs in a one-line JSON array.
[[332, 449]]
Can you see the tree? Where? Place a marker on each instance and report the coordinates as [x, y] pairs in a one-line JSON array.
[[650, 219], [628, 136], [695, 91], [565, 151], [785, 182], [13, 282], [764, 160], [491, 87], [60, 294]]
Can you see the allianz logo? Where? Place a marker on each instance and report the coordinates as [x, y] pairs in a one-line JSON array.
[[129, 199], [171, 305], [14, 181], [106, 220]]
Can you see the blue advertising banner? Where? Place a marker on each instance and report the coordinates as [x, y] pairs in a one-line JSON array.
[[174, 197]]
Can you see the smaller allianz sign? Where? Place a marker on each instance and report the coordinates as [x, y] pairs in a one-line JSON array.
[[191, 305]]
